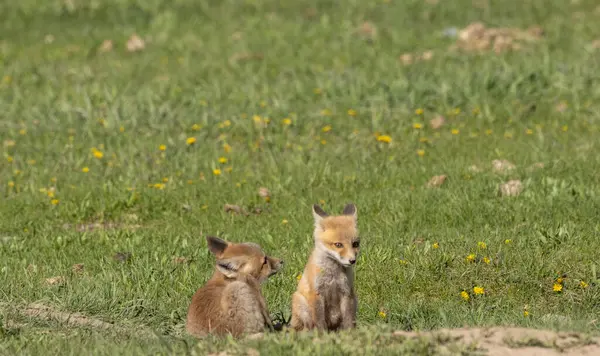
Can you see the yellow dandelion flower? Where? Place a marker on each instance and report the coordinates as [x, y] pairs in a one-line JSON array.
[[284, 221], [322, 202], [50, 194], [417, 125], [559, 280], [583, 284], [419, 111], [17, 172], [121, 129], [226, 148], [222, 160], [189, 181], [317, 91], [10, 159], [11, 184], [529, 132], [195, 127], [471, 258], [98, 154], [326, 112], [488, 132], [287, 121], [435, 245], [482, 245], [421, 153], [557, 287], [159, 186], [455, 131], [525, 313], [299, 276], [216, 171], [54, 201], [456, 111], [257, 119], [22, 132], [478, 290], [565, 128], [165, 180], [162, 147], [487, 260], [85, 169], [326, 128], [507, 241], [382, 314], [465, 295], [323, 142], [352, 112], [190, 140], [403, 262], [423, 139], [384, 138]]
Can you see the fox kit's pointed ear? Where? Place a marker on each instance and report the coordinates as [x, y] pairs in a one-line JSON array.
[[216, 245], [228, 267], [318, 213], [350, 209]]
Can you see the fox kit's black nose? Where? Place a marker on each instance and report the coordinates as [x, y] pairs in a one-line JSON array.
[[353, 261]]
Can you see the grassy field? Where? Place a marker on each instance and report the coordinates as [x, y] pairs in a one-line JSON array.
[[121, 158]]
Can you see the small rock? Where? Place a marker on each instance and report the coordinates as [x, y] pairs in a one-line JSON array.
[[437, 122], [437, 181], [511, 188]]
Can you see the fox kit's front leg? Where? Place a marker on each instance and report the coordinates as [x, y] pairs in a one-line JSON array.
[[317, 311], [348, 307]]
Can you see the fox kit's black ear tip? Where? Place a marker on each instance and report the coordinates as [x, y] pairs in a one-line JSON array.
[[317, 210], [216, 245], [350, 209]]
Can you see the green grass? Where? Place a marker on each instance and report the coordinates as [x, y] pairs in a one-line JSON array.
[[61, 98]]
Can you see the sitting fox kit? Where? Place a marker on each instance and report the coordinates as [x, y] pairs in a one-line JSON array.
[[325, 298], [231, 302]]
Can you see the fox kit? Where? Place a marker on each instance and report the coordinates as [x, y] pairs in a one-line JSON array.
[[231, 301], [325, 298]]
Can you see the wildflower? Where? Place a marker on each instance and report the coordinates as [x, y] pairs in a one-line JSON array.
[[352, 112], [160, 186], [299, 276], [384, 138], [435, 245], [326, 128], [53, 179], [11, 184], [423, 139], [284, 221], [195, 127], [419, 111], [507, 241], [525, 313], [455, 131], [98, 154], [488, 132], [583, 284], [465, 295], [162, 147], [559, 280], [222, 160], [557, 287], [226, 123], [456, 111], [50, 194], [287, 121], [403, 262], [323, 142], [326, 112], [487, 260], [226, 148], [190, 140], [217, 171], [565, 128], [482, 245], [421, 153], [9, 159], [85, 169], [22, 132], [471, 258], [189, 181], [529, 132], [165, 180], [417, 125], [382, 314], [54, 201], [478, 290], [322, 202]]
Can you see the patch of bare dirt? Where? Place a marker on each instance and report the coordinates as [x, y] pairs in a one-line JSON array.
[[509, 341]]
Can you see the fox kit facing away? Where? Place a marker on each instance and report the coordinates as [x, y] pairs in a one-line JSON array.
[[325, 298], [231, 301]]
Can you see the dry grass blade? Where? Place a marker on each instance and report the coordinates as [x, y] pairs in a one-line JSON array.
[[510, 188]]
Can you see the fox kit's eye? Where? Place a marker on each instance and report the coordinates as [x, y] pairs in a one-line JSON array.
[[356, 244], [265, 261], [338, 245]]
